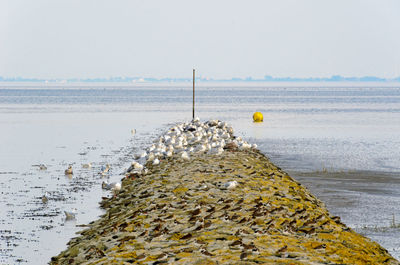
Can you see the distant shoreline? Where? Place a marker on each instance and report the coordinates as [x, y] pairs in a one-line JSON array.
[[202, 79], [199, 84]]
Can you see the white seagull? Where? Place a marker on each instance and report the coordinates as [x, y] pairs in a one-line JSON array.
[[45, 198], [230, 185], [88, 165], [185, 156], [115, 186], [70, 215]]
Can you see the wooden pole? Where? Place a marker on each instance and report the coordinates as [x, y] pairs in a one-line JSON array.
[[193, 94]]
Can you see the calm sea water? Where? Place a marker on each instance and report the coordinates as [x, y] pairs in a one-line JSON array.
[[341, 142]]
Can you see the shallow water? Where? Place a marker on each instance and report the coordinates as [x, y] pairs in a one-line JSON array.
[[367, 201], [30, 230], [308, 131]]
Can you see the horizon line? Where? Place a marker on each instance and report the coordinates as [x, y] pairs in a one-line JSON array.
[[267, 78]]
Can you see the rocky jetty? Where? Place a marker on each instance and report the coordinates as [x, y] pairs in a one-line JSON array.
[[208, 201]]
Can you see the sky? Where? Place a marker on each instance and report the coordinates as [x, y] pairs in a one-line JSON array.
[[220, 39]]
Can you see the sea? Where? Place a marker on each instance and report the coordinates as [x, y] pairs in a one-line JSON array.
[[341, 140]]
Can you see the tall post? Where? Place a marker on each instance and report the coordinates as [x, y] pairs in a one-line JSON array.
[[193, 94]]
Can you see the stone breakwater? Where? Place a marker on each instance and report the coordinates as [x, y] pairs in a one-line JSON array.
[[229, 207]]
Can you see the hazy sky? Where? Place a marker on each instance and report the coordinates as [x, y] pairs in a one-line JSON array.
[[221, 39]]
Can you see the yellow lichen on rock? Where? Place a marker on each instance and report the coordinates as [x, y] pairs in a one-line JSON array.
[[180, 213]]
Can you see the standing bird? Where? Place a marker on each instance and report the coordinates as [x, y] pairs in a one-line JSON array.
[[185, 156], [114, 186], [230, 184], [70, 215], [69, 171], [88, 165], [45, 198], [105, 169]]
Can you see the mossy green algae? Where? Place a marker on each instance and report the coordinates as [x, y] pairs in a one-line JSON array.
[[180, 213]]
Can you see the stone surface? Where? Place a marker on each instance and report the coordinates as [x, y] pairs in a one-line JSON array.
[[180, 212]]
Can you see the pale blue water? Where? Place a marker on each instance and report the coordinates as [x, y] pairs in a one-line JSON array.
[[305, 129]]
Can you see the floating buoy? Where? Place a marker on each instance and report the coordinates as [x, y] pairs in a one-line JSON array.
[[257, 117]]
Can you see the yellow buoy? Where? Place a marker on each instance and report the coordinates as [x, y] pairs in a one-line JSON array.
[[257, 117]]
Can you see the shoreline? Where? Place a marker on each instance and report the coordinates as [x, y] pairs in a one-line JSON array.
[[168, 215]]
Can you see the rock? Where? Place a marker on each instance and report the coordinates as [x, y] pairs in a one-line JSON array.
[[179, 213]]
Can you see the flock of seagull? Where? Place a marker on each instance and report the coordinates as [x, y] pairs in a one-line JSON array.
[[180, 141], [184, 139]]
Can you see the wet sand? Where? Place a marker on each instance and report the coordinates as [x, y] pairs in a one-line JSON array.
[[58, 140], [367, 201]]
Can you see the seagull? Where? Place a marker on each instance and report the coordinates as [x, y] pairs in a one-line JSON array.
[[133, 132], [179, 145], [219, 151], [202, 187], [225, 136], [201, 148], [161, 149], [70, 215], [105, 185], [166, 138], [190, 135], [115, 186], [69, 171], [137, 166], [88, 165], [214, 138], [246, 145], [230, 185], [185, 156], [105, 169], [45, 199], [150, 157]]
